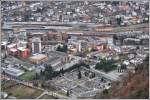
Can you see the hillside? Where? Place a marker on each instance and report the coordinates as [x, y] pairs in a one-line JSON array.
[[134, 86]]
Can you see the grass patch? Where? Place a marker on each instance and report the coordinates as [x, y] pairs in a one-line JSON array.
[[23, 92], [28, 75]]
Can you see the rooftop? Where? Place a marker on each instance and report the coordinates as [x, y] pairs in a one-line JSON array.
[[13, 49], [14, 71], [11, 45], [38, 56], [37, 33], [57, 54], [22, 49]]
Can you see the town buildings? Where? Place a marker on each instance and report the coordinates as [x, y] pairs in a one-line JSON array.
[[36, 45], [71, 38], [13, 71]]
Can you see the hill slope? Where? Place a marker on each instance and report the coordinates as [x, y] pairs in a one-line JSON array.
[[134, 86]]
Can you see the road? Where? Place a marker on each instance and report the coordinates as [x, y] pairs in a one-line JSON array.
[[45, 92], [52, 94], [64, 26]]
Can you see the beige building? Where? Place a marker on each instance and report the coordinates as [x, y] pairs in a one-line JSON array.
[[36, 45], [37, 59]]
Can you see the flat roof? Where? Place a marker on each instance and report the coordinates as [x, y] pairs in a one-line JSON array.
[[11, 45], [57, 54], [14, 70], [4, 43], [37, 33], [38, 56], [21, 30], [74, 33], [25, 42], [22, 48], [13, 49], [53, 60]]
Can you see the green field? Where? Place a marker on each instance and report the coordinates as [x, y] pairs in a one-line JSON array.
[[23, 92], [28, 76]]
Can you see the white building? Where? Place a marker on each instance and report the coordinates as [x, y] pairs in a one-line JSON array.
[[36, 45], [4, 95], [22, 35], [13, 71], [22, 44]]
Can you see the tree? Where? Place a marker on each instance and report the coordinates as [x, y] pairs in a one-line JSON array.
[[64, 48], [137, 47], [119, 21], [3, 72], [16, 13], [115, 3], [35, 83], [41, 73], [48, 72], [106, 65], [79, 75], [42, 85], [5, 55], [102, 79], [38, 10], [58, 48], [61, 71], [86, 74], [146, 59], [115, 37], [93, 75], [68, 93], [105, 91], [36, 77], [3, 60], [55, 73], [123, 66], [26, 17]]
